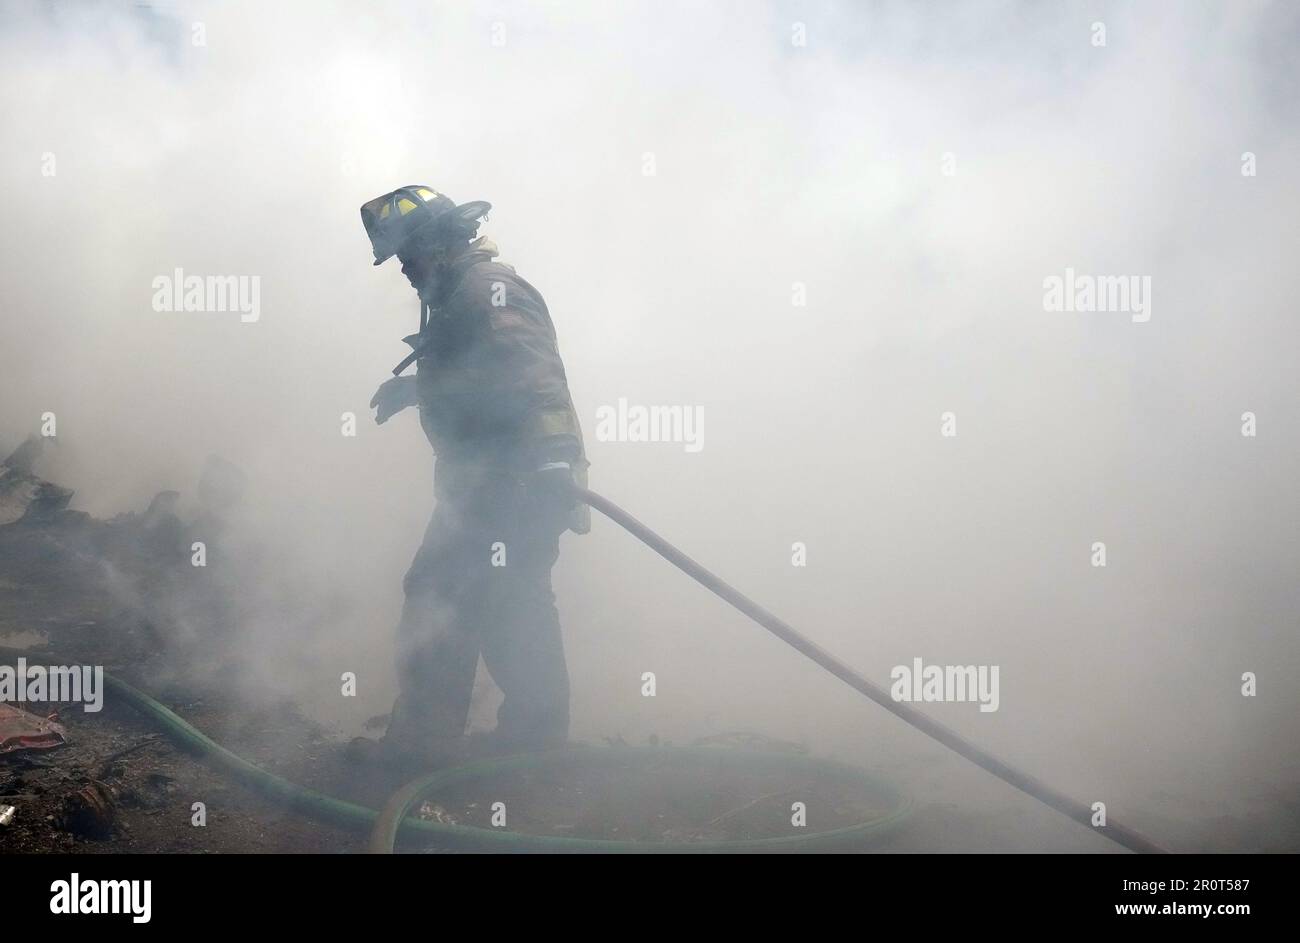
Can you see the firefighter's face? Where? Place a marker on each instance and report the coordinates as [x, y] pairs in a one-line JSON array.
[[416, 268], [421, 264]]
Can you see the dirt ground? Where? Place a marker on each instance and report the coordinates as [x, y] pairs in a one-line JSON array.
[[153, 787]]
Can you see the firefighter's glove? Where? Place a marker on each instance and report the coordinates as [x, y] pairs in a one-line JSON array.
[[392, 397], [553, 483]]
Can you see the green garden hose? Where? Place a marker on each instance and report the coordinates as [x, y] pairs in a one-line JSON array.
[[394, 814], [385, 825]]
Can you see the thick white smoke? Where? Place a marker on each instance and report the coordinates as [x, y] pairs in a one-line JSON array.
[[913, 171]]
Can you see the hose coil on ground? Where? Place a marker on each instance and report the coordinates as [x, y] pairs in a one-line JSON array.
[[385, 825], [897, 804]]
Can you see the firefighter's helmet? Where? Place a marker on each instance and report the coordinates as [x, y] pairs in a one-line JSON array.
[[394, 219]]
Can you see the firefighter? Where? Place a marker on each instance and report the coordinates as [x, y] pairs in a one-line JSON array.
[[494, 403]]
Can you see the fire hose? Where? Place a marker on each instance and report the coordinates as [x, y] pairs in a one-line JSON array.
[[1030, 785]]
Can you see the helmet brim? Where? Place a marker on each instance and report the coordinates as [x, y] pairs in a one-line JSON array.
[[469, 212]]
